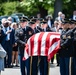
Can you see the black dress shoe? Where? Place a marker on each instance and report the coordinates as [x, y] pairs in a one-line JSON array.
[[51, 62], [16, 66], [6, 66], [57, 64], [10, 66]]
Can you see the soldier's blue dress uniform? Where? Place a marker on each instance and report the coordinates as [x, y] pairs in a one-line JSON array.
[[22, 36], [66, 51], [34, 62], [43, 59], [35, 59], [74, 58]]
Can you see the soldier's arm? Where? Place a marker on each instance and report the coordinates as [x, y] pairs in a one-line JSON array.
[[18, 39], [68, 41]]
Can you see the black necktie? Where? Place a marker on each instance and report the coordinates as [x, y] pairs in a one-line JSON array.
[[75, 18], [43, 29], [24, 30]]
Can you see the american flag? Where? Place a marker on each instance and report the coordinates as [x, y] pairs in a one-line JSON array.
[[42, 44]]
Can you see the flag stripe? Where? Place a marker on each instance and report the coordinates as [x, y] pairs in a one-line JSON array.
[[52, 47], [43, 44], [51, 54], [39, 43], [32, 45], [36, 44], [52, 38], [29, 47], [43, 41], [47, 44]]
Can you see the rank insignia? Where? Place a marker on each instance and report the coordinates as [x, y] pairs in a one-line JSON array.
[[64, 36], [69, 37], [75, 32], [30, 33], [20, 32]]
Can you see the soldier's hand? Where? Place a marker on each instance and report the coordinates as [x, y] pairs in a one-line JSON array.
[[62, 47], [15, 44], [23, 44]]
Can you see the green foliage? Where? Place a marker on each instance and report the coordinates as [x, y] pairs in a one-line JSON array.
[[31, 7], [66, 1], [44, 3], [36, 4], [1, 10], [2, 1], [69, 7], [9, 7], [28, 7]]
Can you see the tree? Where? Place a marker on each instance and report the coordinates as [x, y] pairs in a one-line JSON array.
[[31, 7], [68, 7], [58, 4], [41, 6], [9, 7], [1, 10]]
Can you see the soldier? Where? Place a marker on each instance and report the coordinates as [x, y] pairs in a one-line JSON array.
[[57, 28], [34, 59], [67, 48], [44, 26], [38, 28], [73, 59], [43, 59], [22, 35], [37, 24]]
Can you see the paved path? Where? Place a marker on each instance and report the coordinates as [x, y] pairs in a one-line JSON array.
[[54, 70]]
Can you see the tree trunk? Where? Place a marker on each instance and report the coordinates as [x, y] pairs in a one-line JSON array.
[[57, 7], [43, 11]]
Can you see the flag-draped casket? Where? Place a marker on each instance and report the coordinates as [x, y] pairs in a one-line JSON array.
[[42, 44]]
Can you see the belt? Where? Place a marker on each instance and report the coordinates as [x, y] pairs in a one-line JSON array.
[[7, 40]]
